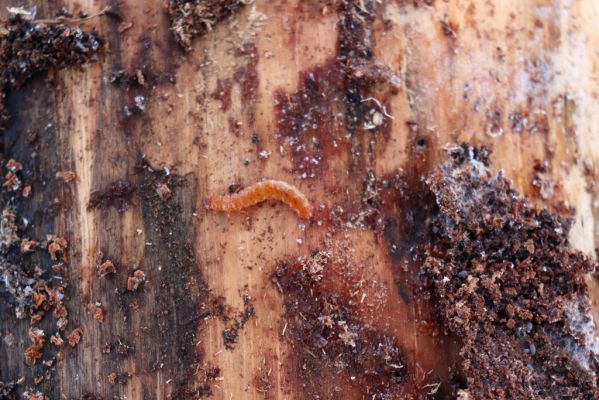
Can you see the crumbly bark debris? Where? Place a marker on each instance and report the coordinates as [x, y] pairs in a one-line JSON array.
[[28, 48], [192, 18], [509, 286], [57, 245], [75, 337], [106, 268], [33, 352], [133, 282], [56, 340]]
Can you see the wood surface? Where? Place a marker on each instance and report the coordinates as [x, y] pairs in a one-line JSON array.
[[520, 77]]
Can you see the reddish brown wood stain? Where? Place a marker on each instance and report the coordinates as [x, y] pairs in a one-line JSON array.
[[222, 93], [328, 120], [311, 122], [330, 342], [155, 341], [246, 76]]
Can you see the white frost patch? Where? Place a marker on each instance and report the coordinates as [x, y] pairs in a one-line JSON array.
[[584, 327]]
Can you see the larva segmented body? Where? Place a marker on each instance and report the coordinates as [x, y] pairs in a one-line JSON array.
[[259, 192]]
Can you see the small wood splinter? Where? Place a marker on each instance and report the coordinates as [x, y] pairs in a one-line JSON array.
[[259, 192]]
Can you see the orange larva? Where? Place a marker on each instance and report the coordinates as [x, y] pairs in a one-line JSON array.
[[259, 192]]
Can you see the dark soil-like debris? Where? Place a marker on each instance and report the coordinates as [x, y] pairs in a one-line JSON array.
[[330, 341], [231, 332], [89, 396], [117, 193], [28, 48], [178, 285], [509, 285], [192, 18]]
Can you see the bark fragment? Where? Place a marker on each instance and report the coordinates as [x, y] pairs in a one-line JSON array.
[[509, 285]]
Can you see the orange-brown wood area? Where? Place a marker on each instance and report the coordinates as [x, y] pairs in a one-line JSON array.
[[330, 98]]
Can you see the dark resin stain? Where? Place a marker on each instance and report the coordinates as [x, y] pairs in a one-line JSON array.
[[138, 85], [176, 285], [402, 206], [311, 121], [341, 106], [397, 207]]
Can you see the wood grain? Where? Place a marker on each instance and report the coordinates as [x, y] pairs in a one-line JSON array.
[[518, 77]]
